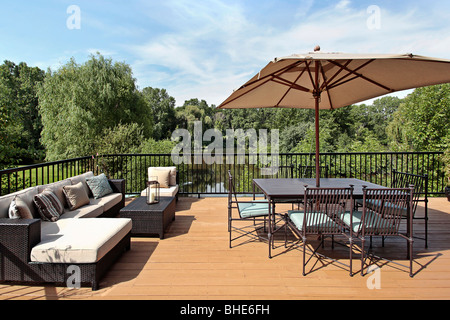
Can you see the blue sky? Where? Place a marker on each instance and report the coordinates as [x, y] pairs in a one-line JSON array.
[[205, 49]]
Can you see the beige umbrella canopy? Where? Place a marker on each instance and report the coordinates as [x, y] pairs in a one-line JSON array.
[[319, 80]]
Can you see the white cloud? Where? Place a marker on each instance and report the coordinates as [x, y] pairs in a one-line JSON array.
[[343, 4], [212, 48]]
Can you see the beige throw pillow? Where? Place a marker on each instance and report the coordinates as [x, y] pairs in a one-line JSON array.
[[163, 176], [18, 209], [172, 174], [76, 196]]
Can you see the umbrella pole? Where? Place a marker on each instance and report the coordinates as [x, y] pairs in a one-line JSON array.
[[317, 97]]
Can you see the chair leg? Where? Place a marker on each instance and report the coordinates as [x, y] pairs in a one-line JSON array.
[[229, 232], [362, 256], [351, 257], [410, 257], [426, 225], [304, 256], [285, 230]]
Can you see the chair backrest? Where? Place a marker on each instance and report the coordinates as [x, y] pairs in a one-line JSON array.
[[231, 188], [310, 171], [325, 209], [405, 180], [383, 210]]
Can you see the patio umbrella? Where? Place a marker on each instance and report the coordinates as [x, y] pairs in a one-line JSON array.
[[319, 80]]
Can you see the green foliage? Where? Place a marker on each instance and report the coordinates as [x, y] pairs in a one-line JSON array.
[[152, 146], [96, 107], [79, 102], [422, 120], [123, 138], [446, 160], [162, 107], [19, 118]]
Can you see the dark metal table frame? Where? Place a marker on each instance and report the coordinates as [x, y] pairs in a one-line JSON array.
[[292, 190], [150, 219]]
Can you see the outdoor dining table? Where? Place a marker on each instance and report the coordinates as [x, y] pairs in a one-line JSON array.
[[292, 190]]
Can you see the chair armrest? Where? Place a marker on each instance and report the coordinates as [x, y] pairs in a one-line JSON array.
[[118, 185], [254, 201], [18, 237]]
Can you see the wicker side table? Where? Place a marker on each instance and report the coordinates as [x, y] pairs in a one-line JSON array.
[[150, 219]]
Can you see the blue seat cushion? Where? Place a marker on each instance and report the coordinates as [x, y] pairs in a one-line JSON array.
[[375, 223], [312, 226], [376, 203], [257, 208]]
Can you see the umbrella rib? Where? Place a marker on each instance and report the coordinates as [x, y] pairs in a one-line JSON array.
[[293, 86], [263, 81], [325, 85], [358, 75], [272, 74], [311, 78], [235, 98], [340, 80]]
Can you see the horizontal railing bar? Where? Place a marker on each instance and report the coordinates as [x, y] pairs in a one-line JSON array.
[[202, 178]]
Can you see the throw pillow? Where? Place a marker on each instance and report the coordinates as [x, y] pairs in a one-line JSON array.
[[172, 174], [163, 176], [99, 186], [49, 206], [19, 210], [76, 196]]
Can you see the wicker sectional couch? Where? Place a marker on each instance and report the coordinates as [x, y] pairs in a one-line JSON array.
[[76, 249]]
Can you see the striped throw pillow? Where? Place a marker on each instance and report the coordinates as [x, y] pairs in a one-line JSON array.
[[49, 206]]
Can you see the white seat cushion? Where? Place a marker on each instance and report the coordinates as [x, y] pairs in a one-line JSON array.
[[164, 192], [79, 240], [88, 211], [108, 201]]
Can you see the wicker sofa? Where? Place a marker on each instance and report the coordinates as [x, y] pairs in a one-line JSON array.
[[75, 249]]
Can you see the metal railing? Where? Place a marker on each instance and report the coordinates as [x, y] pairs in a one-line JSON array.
[[203, 178]]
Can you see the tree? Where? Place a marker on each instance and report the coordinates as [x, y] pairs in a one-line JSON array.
[[422, 120], [79, 102], [18, 97], [162, 107]]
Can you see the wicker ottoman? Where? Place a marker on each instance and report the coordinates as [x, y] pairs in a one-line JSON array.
[[150, 219]]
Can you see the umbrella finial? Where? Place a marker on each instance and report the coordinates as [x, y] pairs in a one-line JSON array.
[[317, 48]]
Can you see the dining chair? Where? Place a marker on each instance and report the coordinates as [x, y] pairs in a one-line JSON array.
[[255, 211], [383, 211], [322, 215], [420, 183]]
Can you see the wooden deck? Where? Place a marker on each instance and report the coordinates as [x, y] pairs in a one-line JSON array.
[[194, 262]]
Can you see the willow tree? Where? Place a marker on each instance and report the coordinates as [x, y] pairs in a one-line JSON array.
[[79, 102]]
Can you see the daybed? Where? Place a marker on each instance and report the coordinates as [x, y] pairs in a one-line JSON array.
[[41, 242]]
